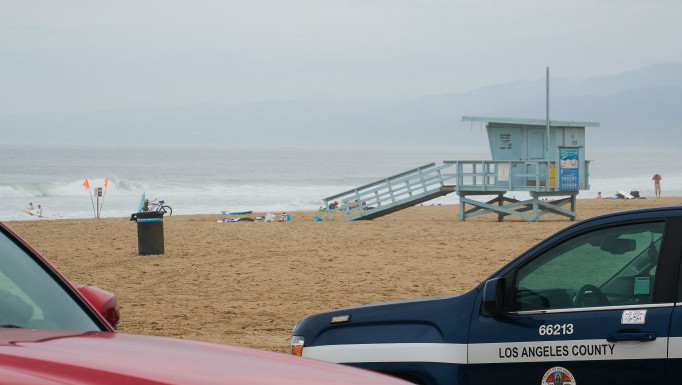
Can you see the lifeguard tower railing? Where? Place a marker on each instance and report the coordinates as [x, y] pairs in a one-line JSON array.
[[465, 177]]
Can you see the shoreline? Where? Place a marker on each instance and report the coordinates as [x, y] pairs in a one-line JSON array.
[[32, 218], [249, 283]]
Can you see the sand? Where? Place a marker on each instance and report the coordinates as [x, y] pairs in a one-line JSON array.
[[248, 283]]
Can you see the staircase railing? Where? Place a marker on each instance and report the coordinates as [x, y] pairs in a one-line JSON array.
[[474, 176], [389, 192]]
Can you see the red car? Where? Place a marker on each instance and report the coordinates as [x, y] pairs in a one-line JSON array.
[[54, 333]]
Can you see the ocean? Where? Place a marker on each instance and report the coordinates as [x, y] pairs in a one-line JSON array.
[[210, 180]]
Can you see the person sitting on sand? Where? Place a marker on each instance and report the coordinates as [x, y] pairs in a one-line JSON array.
[[29, 209]]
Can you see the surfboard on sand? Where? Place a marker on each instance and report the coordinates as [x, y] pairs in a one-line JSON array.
[[626, 195], [237, 212]]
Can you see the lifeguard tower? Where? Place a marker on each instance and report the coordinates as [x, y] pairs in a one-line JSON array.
[[545, 158]]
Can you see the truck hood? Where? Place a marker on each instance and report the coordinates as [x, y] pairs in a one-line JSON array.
[[43, 357], [430, 319], [404, 301]]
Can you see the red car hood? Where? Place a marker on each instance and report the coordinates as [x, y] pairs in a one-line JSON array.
[[41, 357]]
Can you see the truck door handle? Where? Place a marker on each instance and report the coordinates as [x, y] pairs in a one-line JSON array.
[[617, 337]]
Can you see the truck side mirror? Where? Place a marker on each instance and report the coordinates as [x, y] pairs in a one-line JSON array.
[[103, 301], [493, 298]]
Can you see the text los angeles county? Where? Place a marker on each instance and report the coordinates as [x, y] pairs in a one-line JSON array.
[[557, 351]]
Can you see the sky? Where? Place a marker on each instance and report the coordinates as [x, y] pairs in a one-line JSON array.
[[84, 56]]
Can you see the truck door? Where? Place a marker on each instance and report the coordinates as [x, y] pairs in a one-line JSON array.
[[591, 309], [675, 341]]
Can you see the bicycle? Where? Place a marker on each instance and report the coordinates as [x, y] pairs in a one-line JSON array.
[[158, 206]]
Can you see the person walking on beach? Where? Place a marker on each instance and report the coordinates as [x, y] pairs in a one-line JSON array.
[[657, 184]]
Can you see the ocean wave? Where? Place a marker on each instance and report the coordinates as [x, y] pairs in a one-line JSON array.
[[64, 189]]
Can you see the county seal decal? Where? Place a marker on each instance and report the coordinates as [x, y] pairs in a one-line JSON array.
[[557, 376]]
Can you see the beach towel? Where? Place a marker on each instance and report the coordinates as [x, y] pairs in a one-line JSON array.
[[235, 219], [231, 219]]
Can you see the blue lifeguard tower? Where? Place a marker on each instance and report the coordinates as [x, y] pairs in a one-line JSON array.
[[544, 158]]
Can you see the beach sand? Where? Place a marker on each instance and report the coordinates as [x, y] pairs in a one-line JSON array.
[[248, 283]]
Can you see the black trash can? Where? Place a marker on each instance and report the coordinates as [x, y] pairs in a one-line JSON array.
[[149, 232]]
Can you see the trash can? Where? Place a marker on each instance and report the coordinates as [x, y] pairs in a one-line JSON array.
[[149, 232]]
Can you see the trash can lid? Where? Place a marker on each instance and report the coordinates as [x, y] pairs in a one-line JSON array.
[[147, 216]]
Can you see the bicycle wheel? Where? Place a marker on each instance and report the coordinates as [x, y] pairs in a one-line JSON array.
[[167, 209]]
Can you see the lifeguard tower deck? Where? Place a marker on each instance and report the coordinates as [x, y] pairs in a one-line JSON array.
[[541, 157]]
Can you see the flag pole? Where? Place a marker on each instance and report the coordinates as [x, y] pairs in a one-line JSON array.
[[93, 203], [106, 185], [87, 186]]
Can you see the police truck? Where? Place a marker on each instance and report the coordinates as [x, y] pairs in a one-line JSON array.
[[599, 302]]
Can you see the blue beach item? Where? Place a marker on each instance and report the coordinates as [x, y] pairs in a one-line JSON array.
[[141, 205]]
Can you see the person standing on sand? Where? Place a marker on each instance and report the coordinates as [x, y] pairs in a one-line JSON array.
[[657, 185]]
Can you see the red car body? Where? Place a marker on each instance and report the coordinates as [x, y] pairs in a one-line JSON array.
[[43, 356]]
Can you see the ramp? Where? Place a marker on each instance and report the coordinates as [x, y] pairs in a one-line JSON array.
[[444, 190], [391, 194]]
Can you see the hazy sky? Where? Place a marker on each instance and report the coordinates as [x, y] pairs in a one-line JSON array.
[[92, 55]]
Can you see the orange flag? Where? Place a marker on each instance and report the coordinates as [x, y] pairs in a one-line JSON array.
[[86, 184], [106, 182]]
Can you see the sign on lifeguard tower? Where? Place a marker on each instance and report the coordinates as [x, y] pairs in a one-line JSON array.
[[569, 172]]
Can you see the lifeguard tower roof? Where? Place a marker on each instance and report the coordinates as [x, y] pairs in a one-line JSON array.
[[529, 122], [532, 139]]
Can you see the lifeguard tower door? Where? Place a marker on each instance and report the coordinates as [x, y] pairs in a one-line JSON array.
[[536, 151], [536, 144]]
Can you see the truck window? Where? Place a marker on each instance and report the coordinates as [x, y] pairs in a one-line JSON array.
[[605, 267]]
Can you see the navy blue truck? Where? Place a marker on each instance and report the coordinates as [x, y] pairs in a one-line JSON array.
[[599, 302]]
